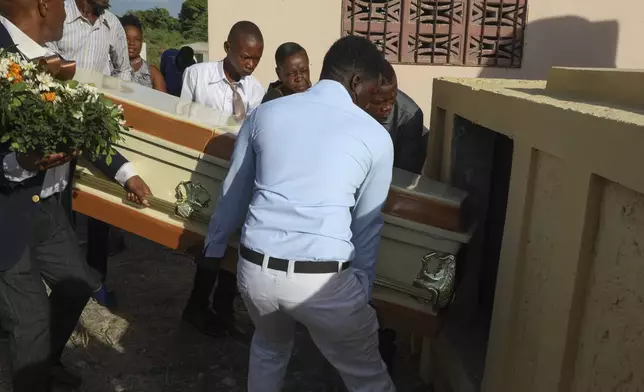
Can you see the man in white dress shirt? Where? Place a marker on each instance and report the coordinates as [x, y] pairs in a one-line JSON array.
[[228, 86], [36, 237], [224, 84]]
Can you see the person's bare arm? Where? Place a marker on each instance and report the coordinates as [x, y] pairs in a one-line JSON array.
[[158, 81]]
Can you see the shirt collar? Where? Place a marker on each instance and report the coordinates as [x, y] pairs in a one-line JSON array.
[[220, 76], [332, 87], [28, 47], [73, 14]]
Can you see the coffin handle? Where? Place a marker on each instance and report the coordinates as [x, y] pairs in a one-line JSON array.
[[438, 276], [191, 197]]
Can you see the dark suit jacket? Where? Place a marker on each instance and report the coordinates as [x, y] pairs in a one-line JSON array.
[[405, 125], [276, 90], [16, 204]]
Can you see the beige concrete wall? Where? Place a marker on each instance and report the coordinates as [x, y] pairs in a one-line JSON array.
[[560, 32], [569, 296]]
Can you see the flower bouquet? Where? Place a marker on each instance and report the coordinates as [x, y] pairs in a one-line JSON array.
[[43, 115]]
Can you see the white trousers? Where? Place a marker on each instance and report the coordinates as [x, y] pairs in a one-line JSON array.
[[334, 308]]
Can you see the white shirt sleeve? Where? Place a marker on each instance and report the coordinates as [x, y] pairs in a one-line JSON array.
[[13, 171], [188, 88], [126, 172]]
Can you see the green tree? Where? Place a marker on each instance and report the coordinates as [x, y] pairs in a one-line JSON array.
[[158, 40], [193, 20], [157, 18]]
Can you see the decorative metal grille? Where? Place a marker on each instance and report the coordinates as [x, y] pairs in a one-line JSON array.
[[455, 32]]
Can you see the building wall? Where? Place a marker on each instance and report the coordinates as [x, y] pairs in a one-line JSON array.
[[568, 303], [559, 32]]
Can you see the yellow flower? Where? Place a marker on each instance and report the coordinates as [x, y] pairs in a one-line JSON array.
[[15, 73], [14, 68], [49, 97]]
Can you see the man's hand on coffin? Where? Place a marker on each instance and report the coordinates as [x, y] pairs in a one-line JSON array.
[[34, 161], [138, 191]]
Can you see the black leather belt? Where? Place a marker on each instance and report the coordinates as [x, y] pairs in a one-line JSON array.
[[299, 267]]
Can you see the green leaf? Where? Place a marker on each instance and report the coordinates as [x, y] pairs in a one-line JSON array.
[[108, 160], [18, 87]]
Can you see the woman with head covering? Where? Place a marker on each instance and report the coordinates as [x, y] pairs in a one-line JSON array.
[[293, 73], [142, 72]]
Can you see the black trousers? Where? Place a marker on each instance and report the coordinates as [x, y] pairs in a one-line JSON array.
[[224, 284], [40, 325], [98, 239]]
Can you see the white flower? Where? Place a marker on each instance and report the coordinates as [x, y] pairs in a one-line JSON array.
[[89, 89], [78, 116], [44, 78], [15, 58], [4, 67], [46, 81], [71, 91]]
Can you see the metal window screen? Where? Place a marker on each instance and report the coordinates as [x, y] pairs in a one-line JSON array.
[[442, 32]]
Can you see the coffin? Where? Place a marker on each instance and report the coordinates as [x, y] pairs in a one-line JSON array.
[[174, 142]]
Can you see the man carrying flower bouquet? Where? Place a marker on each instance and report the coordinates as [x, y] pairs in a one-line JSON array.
[[94, 38], [36, 238]]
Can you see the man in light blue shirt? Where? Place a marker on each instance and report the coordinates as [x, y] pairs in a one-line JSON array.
[[308, 178]]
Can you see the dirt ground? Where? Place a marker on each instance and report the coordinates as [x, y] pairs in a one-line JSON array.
[[143, 346]]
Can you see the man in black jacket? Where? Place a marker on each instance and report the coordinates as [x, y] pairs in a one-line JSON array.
[[37, 241], [403, 119]]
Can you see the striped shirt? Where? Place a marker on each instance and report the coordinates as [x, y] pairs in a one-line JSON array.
[[101, 47]]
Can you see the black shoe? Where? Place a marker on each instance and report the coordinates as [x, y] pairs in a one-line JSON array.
[[204, 321], [64, 376]]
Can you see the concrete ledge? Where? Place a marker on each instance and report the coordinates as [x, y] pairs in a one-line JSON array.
[[617, 86]]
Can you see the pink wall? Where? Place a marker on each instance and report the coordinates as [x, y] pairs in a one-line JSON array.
[[588, 33]]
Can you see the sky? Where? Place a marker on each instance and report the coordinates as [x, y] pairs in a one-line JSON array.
[[120, 6]]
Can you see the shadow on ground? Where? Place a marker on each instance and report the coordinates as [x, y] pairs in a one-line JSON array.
[[143, 347]]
